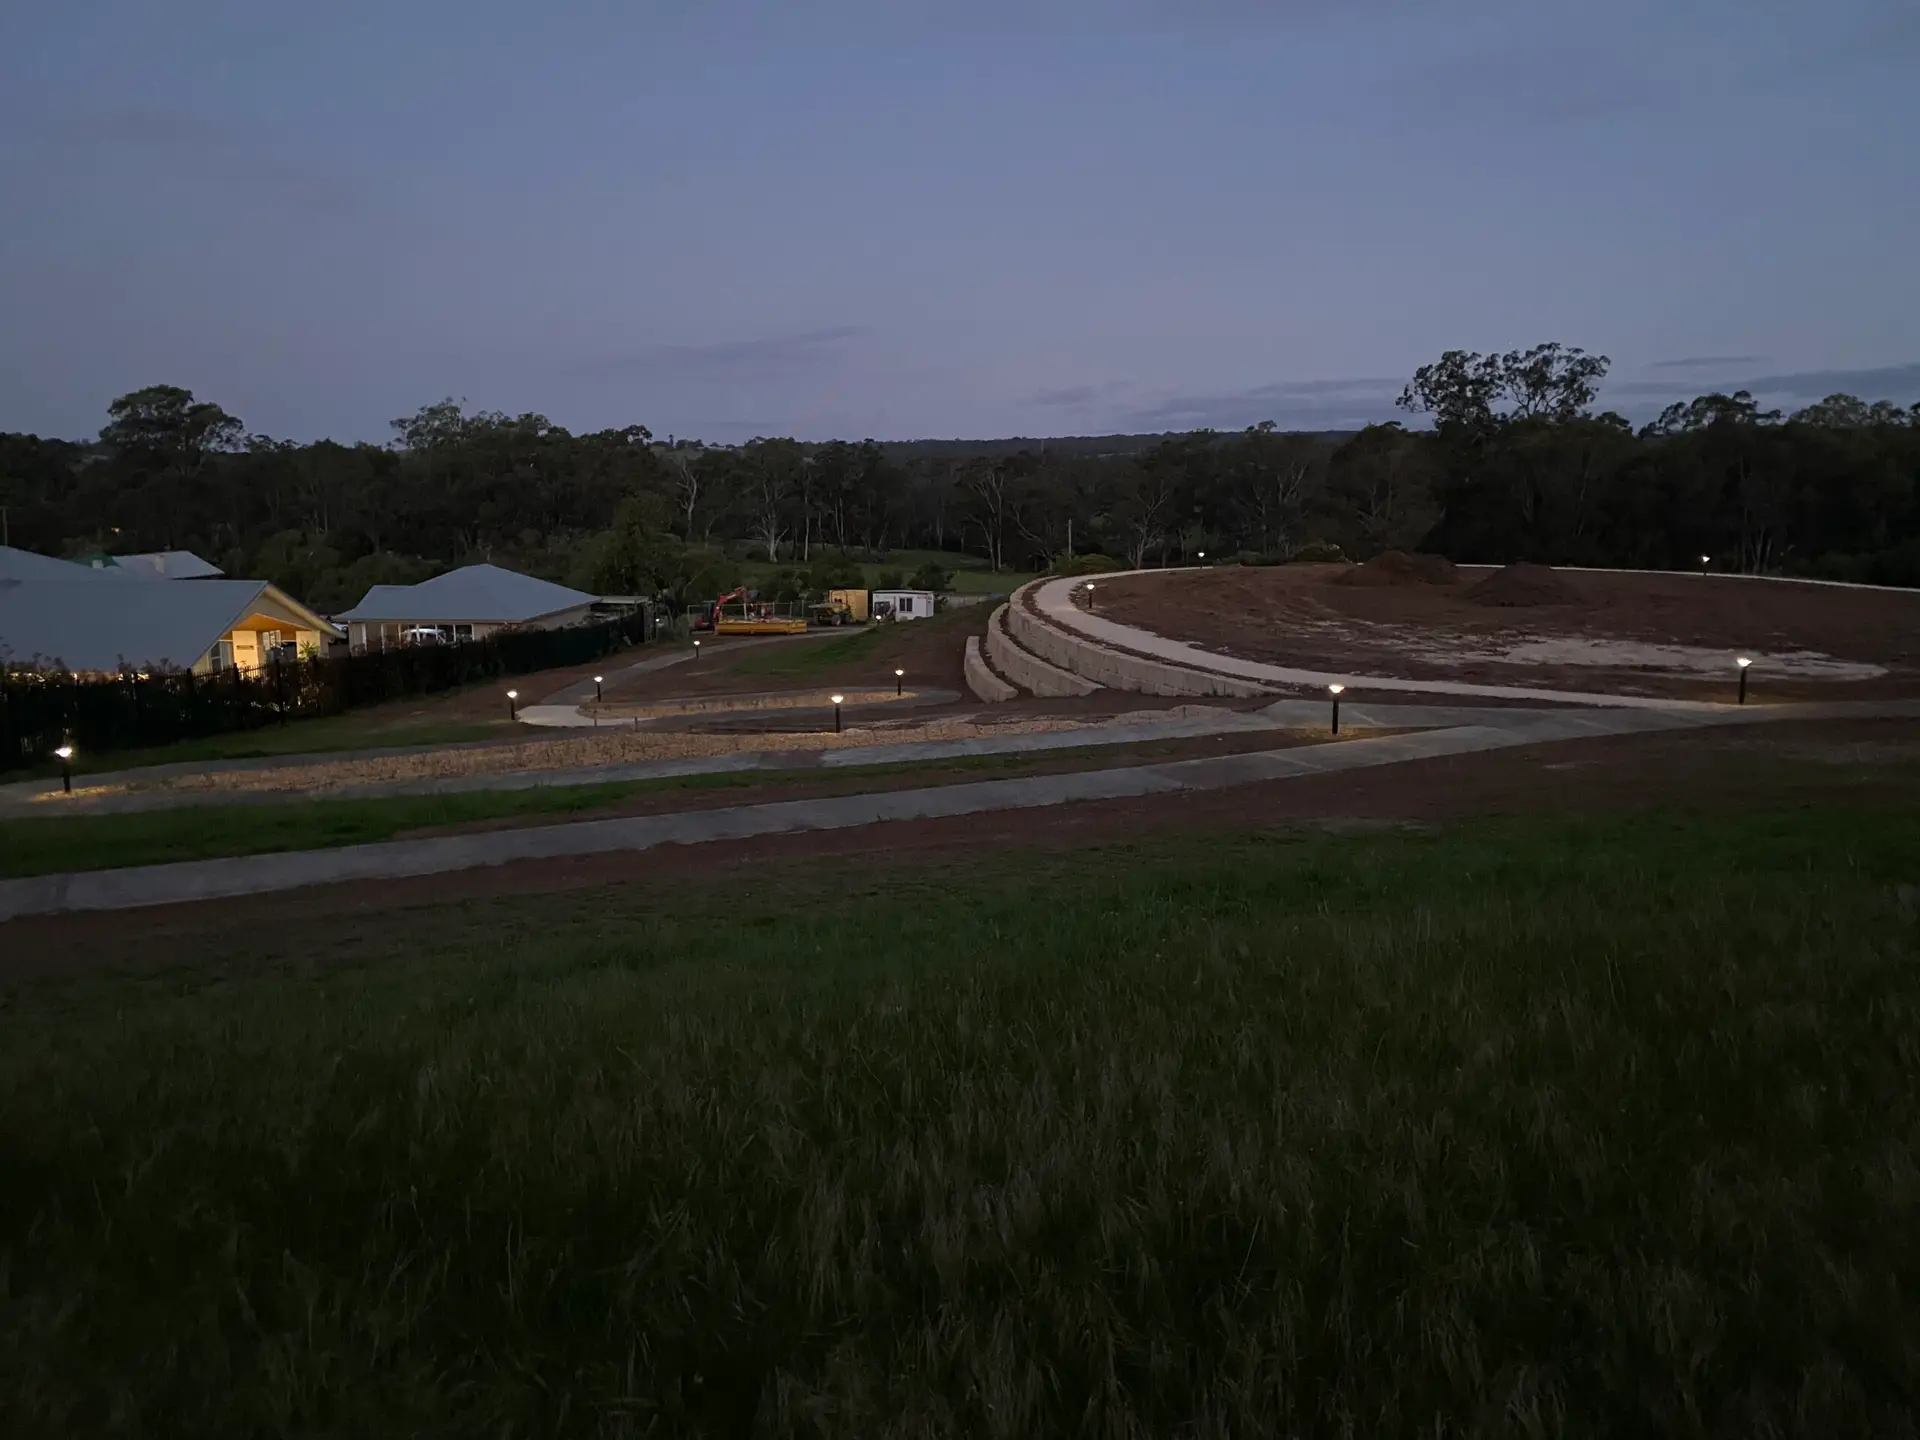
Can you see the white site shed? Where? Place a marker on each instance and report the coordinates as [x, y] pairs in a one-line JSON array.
[[465, 604], [903, 604]]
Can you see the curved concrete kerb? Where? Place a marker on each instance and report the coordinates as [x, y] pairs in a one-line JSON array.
[[1053, 599]]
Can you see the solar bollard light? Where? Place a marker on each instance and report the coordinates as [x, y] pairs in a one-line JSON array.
[[899, 682], [1334, 691], [836, 712], [597, 696], [1743, 662], [513, 704], [1089, 595], [65, 752]]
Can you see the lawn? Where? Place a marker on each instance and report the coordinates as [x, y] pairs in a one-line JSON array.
[[1555, 1126], [808, 659]]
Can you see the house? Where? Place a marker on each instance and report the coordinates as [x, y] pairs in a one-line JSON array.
[[88, 625], [465, 604], [902, 604]]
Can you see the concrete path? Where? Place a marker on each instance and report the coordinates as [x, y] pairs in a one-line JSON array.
[[1054, 600], [201, 880]]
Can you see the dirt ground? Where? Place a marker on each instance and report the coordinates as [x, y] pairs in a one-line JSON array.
[[1873, 762], [1673, 635]]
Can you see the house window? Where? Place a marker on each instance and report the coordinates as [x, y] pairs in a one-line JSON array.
[[906, 604], [222, 658]]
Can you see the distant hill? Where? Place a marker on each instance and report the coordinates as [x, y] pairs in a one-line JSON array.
[[1077, 446]]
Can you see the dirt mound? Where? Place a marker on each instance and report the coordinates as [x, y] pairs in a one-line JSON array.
[[1396, 567], [1523, 584]]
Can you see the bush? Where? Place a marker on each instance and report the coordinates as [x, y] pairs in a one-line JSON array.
[[835, 575], [1093, 564], [890, 580], [931, 576], [1318, 552]]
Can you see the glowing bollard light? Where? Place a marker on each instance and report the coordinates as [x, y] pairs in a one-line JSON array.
[[1089, 595], [1334, 691], [899, 682], [597, 696], [836, 712], [513, 704], [65, 752], [1743, 662]]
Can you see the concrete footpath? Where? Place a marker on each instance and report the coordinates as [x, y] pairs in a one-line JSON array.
[[200, 880]]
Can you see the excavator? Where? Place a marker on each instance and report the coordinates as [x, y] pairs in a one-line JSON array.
[[754, 618]]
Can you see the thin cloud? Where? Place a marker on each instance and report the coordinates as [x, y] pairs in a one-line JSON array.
[[1073, 396], [1886, 382], [1708, 362], [767, 357]]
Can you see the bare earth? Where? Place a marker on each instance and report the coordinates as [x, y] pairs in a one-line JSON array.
[[1629, 634]]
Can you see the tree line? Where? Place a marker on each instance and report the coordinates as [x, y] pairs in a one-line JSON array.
[[1512, 463]]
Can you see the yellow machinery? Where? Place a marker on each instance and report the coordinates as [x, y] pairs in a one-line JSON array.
[[841, 607], [855, 602]]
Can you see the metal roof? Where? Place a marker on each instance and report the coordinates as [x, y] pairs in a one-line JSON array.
[[485, 593], [26, 565], [167, 565], [83, 625]]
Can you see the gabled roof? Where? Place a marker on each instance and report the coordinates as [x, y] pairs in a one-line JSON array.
[[485, 593], [165, 565], [85, 625], [26, 565]]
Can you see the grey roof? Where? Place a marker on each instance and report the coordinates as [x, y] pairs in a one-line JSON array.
[[84, 625], [26, 565], [167, 565], [485, 593]]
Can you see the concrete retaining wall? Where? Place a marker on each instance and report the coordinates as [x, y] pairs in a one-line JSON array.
[[1113, 668], [984, 684], [1027, 670]]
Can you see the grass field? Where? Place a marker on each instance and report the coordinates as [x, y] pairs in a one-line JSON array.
[[810, 658], [1592, 1127]]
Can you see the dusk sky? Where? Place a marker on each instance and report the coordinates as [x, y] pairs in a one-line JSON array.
[[975, 219]]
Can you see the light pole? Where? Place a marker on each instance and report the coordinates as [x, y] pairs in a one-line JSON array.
[[513, 706], [1743, 662], [836, 713], [899, 682], [65, 752], [1334, 691]]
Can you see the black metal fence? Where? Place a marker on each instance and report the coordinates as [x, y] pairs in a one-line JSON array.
[[41, 710]]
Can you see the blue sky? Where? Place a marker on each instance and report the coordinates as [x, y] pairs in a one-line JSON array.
[[903, 219]]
